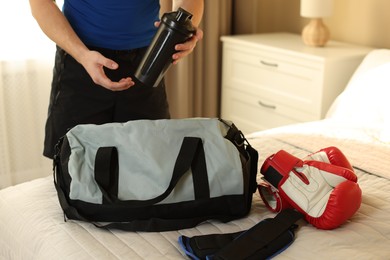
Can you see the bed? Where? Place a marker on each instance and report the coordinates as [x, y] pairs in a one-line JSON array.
[[32, 224]]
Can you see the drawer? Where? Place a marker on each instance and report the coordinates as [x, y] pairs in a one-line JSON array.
[[250, 113], [270, 80], [273, 78]]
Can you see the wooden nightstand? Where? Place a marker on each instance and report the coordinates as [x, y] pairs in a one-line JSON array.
[[270, 80]]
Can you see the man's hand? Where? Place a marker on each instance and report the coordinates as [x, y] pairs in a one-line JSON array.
[[187, 47], [93, 62]]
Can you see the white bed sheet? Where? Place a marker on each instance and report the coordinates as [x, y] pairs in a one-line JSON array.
[[32, 223]]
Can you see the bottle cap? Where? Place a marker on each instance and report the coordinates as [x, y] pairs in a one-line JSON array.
[[179, 21]]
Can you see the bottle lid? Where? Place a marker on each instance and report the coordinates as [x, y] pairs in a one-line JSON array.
[[180, 21]]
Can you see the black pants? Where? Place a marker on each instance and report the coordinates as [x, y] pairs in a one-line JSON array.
[[76, 99]]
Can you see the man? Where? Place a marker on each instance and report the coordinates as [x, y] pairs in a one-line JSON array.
[[99, 45]]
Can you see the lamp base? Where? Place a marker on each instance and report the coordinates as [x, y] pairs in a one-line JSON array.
[[315, 33]]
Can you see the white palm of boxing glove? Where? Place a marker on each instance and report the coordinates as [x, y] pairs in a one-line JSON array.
[[327, 194]]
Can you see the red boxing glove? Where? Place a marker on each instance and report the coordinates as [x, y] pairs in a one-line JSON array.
[[327, 194], [270, 194], [331, 155]]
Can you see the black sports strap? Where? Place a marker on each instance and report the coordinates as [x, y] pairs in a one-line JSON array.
[[259, 236], [259, 242]]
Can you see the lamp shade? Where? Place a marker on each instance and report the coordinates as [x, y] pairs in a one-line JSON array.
[[316, 8]]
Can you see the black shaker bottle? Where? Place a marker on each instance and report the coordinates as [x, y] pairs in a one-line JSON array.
[[175, 27]]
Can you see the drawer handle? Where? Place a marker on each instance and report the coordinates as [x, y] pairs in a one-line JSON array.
[[266, 105], [269, 64]]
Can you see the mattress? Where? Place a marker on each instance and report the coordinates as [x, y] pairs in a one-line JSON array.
[[32, 223]]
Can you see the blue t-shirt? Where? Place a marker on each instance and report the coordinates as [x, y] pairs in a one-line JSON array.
[[113, 24]]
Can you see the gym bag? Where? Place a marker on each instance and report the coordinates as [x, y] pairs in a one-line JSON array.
[[155, 175]]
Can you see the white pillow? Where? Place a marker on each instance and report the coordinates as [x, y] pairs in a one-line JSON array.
[[366, 98], [385, 133]]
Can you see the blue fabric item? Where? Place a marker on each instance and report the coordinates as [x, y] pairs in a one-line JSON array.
[[184, 243], [113, 24]]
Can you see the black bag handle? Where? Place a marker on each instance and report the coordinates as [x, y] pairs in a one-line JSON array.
[[107, 173], [191, 156]]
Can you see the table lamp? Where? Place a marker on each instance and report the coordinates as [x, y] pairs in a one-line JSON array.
[[316, 33]]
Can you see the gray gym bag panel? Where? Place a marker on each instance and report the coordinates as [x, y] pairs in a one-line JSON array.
[[155, 175]]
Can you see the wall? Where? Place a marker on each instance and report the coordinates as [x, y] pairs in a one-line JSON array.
[[365, 22]]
